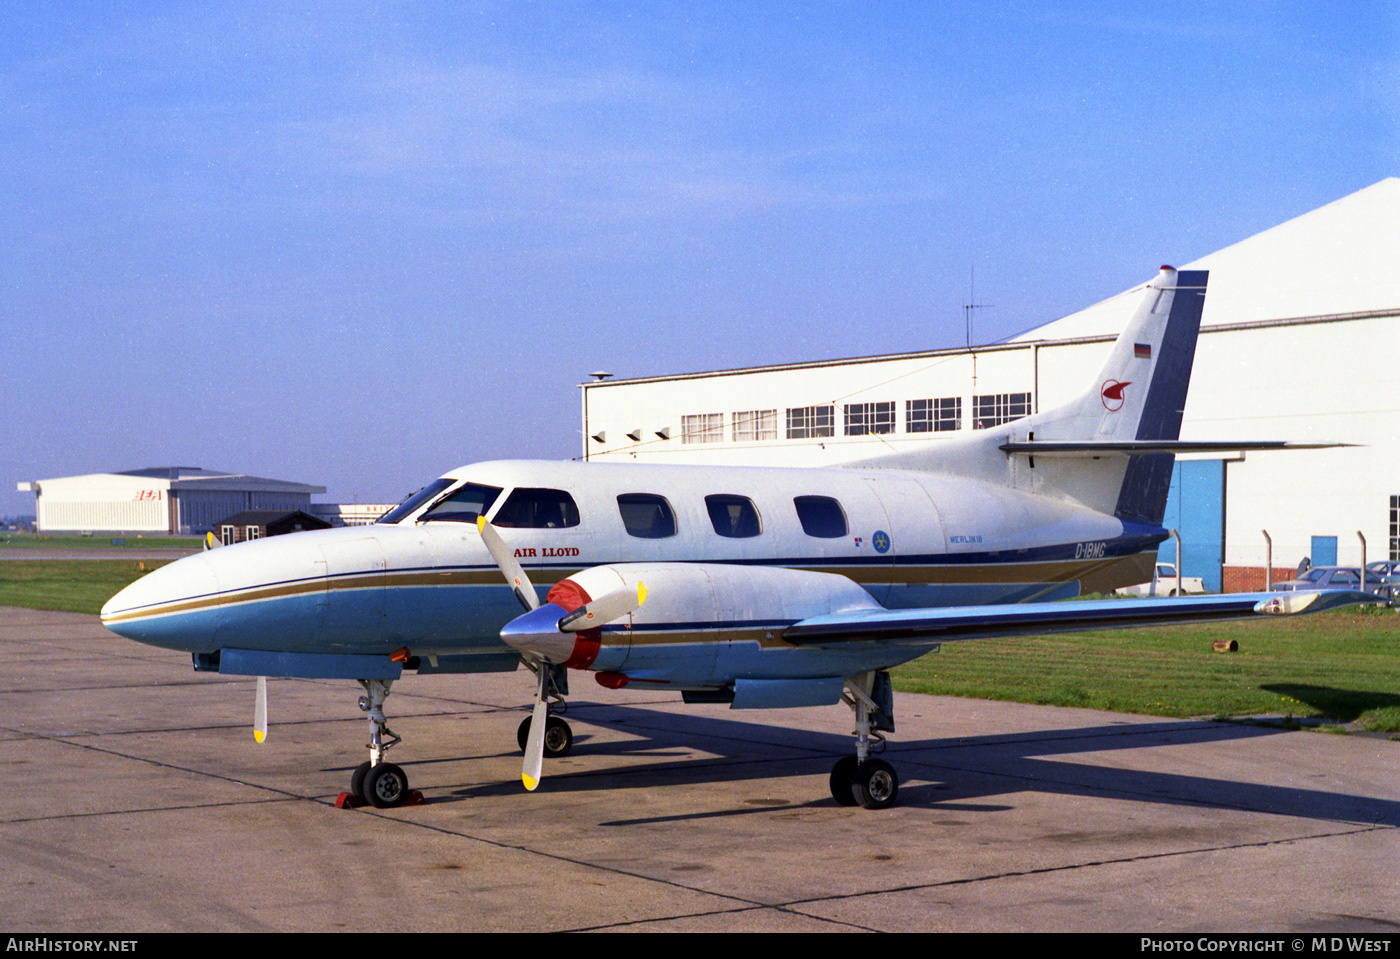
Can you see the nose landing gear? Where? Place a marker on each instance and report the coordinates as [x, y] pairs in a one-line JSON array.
[[376, 782]]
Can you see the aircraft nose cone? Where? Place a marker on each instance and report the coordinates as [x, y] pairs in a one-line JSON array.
[[149, 608]]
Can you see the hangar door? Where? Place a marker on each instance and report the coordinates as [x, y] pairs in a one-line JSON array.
[[1196, 510]]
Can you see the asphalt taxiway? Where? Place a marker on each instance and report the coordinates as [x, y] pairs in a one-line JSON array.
[[137, 801]]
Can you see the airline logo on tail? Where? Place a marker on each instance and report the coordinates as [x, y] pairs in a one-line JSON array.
[[1112, 395]]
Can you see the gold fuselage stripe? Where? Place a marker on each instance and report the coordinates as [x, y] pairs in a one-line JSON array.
[[1011, 573]]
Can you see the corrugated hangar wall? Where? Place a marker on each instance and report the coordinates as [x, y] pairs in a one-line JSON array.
[[199, 510], [1299, 339], [158, 500]]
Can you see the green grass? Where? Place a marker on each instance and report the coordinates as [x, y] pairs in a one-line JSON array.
[[70, 586], [1341, 666], [15, 539]]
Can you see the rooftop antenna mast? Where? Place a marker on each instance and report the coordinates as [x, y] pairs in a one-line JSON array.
[[972, 304]]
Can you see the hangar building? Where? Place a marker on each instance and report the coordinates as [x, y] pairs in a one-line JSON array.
[[1299, 338], [166, 499]]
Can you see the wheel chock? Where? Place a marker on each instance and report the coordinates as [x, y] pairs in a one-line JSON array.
[[348, 800]]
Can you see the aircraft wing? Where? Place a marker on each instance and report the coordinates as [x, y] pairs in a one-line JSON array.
[[949, 624]]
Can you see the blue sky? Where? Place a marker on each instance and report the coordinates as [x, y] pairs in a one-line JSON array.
[[359, 244]]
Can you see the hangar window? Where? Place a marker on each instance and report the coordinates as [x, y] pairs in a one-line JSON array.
[[702, 428], [994, 409], [863, 419], [226, 535], [646, 515], [933, 416], [411, 503], [463, 506], [733, 516], [821, 516], [527, 508], [1395, 527], [811, 422], [751, 425]]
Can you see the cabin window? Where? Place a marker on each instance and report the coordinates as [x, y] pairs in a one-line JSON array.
[[463, 506], [646, 515], [821, 516], [733, 516], [529, 508], [412, 502]]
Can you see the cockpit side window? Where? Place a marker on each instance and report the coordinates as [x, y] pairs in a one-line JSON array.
[[528, 508], [821, 516], [733, 516], [647, 515], [464, 505], [412, 502]]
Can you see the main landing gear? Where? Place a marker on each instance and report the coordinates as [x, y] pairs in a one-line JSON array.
[[376, 782], [558, 734], [859, 779]]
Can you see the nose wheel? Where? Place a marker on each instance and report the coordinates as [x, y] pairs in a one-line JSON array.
[[376, 782]]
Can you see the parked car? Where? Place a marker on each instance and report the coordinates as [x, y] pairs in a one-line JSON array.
[[1164, 583], [1386, 569], [1333, 577]]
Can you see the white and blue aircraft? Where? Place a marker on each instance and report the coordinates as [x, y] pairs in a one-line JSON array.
[[759, 587]]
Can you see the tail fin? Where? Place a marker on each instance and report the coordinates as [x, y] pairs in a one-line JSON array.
[[1139, 397], [1110, 448]]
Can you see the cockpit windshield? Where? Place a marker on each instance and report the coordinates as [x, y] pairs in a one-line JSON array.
[[411, 503], [464, 505]]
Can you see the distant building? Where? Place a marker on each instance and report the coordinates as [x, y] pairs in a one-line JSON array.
[[1299, 340], [260, 523], [350, 514], [167, 499]]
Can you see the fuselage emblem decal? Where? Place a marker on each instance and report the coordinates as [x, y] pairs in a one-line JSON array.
[[881, 541], [1112, 395]]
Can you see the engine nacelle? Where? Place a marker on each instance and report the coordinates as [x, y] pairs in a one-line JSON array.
[[711, 597]]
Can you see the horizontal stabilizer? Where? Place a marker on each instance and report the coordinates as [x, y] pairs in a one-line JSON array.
[[1092, 448], [922, 627]]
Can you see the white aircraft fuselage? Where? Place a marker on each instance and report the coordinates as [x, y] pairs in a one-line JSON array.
[[759, 587], [428, 585]]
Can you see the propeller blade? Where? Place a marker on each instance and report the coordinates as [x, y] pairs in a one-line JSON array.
[[604, 609], [510, 569], [260, 711], [532, 770]]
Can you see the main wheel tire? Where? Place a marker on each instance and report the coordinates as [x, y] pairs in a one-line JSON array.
[[386, 786], [841, 781], [558, 738], [875, 784], [357, 781]]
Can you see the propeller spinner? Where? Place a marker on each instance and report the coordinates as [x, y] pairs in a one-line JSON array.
[[544, 636]]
